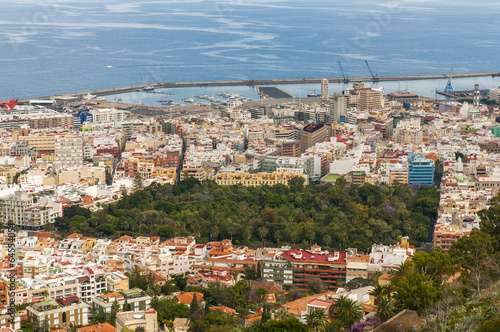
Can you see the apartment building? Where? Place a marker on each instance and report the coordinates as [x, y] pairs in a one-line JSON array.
[[131, 300], [370, 99], [50, 121], [132, 320], [256, 179], [23, 212], [68, 151], [330, 268], [278, 269], [311, 134], [63, 312], [107, 115]]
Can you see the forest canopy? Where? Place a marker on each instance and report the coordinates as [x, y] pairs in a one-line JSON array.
[[338, 216]]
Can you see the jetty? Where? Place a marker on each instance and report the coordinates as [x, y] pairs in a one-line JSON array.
[[261, 82]]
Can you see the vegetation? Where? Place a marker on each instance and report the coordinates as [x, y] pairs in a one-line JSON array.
[[333, 216]]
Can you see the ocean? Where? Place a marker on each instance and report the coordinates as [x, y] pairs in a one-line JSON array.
[[63, 46]]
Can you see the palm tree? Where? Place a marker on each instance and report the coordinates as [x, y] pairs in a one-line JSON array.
[[316, 319], [385, 308], [346, 311], [282, 314], [377, 293]]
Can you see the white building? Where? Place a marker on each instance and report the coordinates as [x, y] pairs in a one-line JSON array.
[[68, 151], [21, 209]]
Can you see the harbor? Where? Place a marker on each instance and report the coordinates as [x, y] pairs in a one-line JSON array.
[[151, 88]]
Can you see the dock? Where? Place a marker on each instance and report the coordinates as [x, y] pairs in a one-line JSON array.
[[273, 92], [164, 85]]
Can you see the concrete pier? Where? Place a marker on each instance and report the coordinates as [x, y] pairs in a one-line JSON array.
[[112, 91]]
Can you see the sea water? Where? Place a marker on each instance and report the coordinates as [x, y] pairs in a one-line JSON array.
[[63, 46]]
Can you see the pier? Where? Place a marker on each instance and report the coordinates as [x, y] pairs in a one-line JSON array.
[[112, 91]]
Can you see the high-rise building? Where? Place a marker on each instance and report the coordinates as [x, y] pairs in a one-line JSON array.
[[324, 90], [370, 99], [338, 107], [68, 151], [421, 170], [477, 96], [311, 134]]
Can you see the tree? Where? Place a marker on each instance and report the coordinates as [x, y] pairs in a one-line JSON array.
[[140, 279], [346, 311], [169, 308], [258, 272], [282, 314], [357, 283], [166, 231], [472, 252], [138, 182], [195, 306], [286, 325], [385, 308], [140, 329], [315, 285], [263, 233], [316, 319], [109, 177], [115, 308], [250, 272]]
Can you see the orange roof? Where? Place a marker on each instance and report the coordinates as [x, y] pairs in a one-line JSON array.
[[105, 327], [253, 319], [187, 297], [224, 309], [43, 235]]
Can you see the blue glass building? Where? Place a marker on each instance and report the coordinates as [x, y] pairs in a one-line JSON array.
[[421, 170]]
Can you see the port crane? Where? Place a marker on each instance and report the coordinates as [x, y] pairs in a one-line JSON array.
[[346, 78], [375, 77], [449, 88]]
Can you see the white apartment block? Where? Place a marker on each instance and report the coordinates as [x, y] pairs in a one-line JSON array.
[[107, 115], [21, 209], [68, 151]]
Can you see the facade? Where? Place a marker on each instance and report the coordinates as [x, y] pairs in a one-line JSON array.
[[107, 115], [494, 94], [40, 143], [21, 209], [130, 319], [68, 151], [446, 235], [55, 120], [338, 107], [399, 173], [256, 179], [132, 300], [64, 312], [421, 170], [311, 134], [330, 268], [370, 99], [324, 90], [278, 269]]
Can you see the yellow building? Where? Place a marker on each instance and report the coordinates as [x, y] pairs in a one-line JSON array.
[[39, 142], [399, 173], [117, 282], [88, 244], [256, 179]]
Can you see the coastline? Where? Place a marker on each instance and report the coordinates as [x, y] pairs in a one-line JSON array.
[[132, 88]]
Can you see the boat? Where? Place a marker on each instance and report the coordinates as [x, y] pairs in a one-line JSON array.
[[313, 94], [109, 66], [165, 101], [148, 88]]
